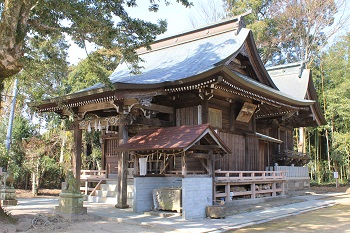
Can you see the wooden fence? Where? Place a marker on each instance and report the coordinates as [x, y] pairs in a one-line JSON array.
[[232, 185], [292, 171]]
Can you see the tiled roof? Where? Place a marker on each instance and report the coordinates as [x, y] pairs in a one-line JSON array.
[[181, 60], [171, 138], [291, 79]]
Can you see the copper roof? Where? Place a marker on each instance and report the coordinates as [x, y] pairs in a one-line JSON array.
[[172, 138]]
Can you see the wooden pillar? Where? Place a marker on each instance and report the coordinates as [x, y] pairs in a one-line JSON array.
[[76, 161], [247, 159], [184, 164], [205, 110], [136, 164], [232, 115], [103, 156], [122, 165]]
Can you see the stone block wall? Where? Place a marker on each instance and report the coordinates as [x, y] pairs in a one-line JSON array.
[[295, 185], [143, 188], [197, 194]]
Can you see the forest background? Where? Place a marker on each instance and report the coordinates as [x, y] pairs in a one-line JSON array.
[[311, 31]]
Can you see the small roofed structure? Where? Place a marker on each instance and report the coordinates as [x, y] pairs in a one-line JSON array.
[[183, 143], [179, 138]]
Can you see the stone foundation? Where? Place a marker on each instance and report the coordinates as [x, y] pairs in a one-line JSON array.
[[296, 185], [71, 203], [216, 211], [8, 196]]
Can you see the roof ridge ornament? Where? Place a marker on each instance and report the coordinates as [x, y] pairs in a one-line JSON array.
[[302, 67]]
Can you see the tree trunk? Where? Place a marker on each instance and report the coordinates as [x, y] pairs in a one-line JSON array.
[[34, 185], [13, 29], [62, 149]]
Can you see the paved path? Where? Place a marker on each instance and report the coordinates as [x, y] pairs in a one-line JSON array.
[[109, 213]]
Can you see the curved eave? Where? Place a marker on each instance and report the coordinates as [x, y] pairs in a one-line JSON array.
[[315, 109], [254, 58], [96, 95], [204, 79], [263, 90], [258, 63]]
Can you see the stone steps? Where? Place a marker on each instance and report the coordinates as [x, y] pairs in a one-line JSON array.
[[105, 193], [108, 193], [109, 187]]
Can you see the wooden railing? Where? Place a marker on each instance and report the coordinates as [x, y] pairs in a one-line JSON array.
[[89, 177], [242, 176], [231, 185], [93, 174], [293, 171]]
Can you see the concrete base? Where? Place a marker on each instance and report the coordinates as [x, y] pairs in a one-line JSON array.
[[8, 196], [295, 185], [216, 211], [250, 201], [71, 204], [70, 210]]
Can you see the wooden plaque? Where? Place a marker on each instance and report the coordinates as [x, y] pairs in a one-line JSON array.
[[246, 112]]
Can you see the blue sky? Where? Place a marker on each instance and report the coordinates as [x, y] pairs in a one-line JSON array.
[[178, 18], [177, 15]]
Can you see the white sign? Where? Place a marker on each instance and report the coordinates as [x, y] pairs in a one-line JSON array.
[[336, 175]]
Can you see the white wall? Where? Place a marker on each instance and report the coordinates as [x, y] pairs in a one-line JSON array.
[[197, 193], [143, 188]]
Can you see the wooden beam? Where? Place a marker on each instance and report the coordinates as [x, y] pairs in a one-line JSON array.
[[198, 155], [204, 165], [95, 107], [164, 167], [205, 147], [152, 122], [157, 107]]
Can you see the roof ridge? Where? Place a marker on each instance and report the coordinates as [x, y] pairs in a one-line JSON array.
[[223, 26]]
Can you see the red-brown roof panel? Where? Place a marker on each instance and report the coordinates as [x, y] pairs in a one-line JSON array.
[[171, 138]]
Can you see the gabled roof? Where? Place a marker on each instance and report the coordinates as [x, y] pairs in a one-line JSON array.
[[179, 138], [291, 75], [193, 53], [223, 52], [296, 81]]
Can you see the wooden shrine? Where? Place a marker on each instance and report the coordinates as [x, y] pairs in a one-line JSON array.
[[210, 77]]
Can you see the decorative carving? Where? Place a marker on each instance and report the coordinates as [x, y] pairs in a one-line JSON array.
[[206, 93], [146, 101]]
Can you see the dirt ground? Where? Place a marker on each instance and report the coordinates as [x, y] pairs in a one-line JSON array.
[[325, 220], [332, 219]]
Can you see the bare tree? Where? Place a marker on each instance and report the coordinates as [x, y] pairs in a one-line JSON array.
[[292, 30], [208, 11]]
